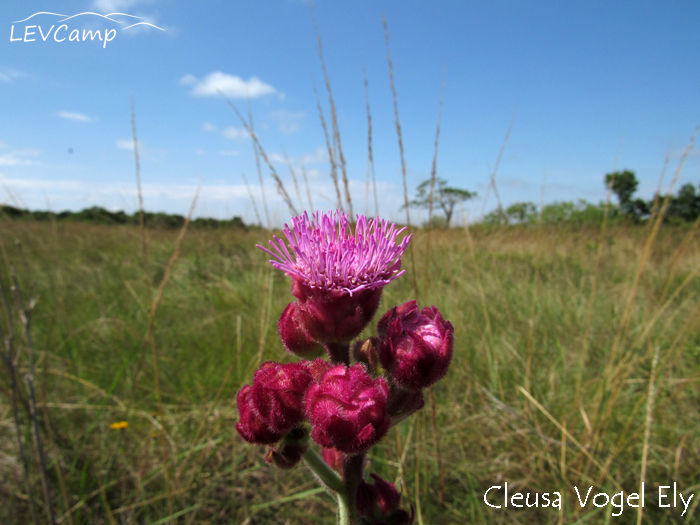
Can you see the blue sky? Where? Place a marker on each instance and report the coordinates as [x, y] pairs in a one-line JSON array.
[[591, 82]]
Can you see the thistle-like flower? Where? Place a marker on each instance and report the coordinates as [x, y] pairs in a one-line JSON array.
[[328, 256], [416, 345], [347, 409], [337, 275]]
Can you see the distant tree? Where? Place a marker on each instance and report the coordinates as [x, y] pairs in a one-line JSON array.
[[623, 184], [521, 212], [444, 197], [686, 205]]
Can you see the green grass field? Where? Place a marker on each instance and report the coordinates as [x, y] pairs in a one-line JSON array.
[[576, 363]]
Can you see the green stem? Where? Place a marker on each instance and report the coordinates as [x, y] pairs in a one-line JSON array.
[[325, 474], [343, 510], [353, 472]]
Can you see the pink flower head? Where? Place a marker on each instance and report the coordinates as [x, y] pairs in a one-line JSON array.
[[347, 409], [295, 337], [337, 276], [417, 345], [328, 256], [378, 503]]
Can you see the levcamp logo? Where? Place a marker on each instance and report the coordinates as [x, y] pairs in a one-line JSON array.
[[35, 31]]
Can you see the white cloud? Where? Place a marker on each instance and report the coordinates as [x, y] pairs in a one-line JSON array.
[[208, 126], [229, 153], [316, 157], [229, 85], [3, 145], [10, 74], [70, 115], [20, 157], [288, 121], [235, 133], [145, 152], [113, 6]]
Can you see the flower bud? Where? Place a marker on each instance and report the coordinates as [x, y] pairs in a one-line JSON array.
[[278, 394], [334, 316], [333, 458], [378, 503], [347, 409], [295, 339], [251, 426], [416, 345], [366, 352], [293, 447]]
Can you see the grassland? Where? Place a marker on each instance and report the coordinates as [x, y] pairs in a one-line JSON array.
[[577, 363]]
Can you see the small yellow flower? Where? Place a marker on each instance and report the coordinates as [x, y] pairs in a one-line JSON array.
[[118, 425]]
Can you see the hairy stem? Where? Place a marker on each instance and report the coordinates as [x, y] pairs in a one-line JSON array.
[[353, 472], [323, 471]]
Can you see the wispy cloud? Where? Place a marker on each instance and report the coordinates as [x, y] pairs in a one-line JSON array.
[[145, 151], [112, 6], [230, 85], [23, 157], [71, 115], [230, 132], [288, 121], [8, 75], [235, 133]]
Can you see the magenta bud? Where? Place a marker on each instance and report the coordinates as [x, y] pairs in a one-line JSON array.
[[251, 426], [333, 458], [291, 449], [334, 316], [318, 368], [278, 394], [378, 503], [295, 339], [416, 346], [347, 409]]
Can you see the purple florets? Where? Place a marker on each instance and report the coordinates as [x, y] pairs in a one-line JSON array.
[[327, 255]]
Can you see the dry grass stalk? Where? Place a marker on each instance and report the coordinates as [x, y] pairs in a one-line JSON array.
[[8, 358], [257, 164], [433, 174], [308, 188], [370, 157], [495, 170], [651, 394], [334, 117], [252, 199], [401, 152], [150, 337], [25, 314], [142, 225], [280, 185], [331, 153], [294, 178]]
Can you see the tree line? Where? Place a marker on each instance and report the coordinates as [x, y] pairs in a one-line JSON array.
[[684, 206], [99, 215]]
